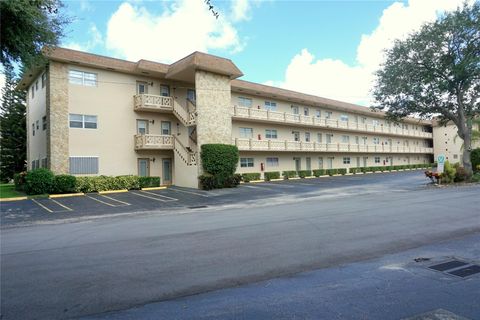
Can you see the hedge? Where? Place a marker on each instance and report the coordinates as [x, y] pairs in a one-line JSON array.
[[289, 174], [304, 173], [331, 172], [475, 158], [105, 183], [342, 171], [19, 181], [247, 177], [272, 175], [209, 181], [318, 172], [219, 163], [39, 181], [149, 182], [64, 183]]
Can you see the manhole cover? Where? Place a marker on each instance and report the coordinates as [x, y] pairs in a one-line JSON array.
[[466, 272], [448, 265]]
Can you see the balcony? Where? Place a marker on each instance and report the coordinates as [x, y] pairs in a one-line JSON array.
[[153, 142], [151, 102], [276, 145], [261, 115]]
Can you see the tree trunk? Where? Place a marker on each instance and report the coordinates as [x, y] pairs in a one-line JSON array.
[[467, 150]]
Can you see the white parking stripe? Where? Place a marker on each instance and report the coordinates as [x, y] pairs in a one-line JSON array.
[[44, 206], [41, 205], [109, 204], [157, 197], [278, 185], [190, 192], [61, 205]]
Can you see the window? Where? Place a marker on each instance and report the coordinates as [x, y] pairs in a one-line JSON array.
[[191, 95], [166, 127], [272, 162], [296, 136], [320, 163], [164, 90], [365, 139], [271, 134], [455, 156], [328, 114], [376, 140], [344, 117], [142, 87], [346, 160], [44, 162], [375, 122], [295, 110], [270, 105], [308, 162], [82, 78], [83, 165], [33, 129], [377, 159], [44, 123], [306, 111], [44, 79], [364, 120], [329, 138], [357, 140], [246, 133], [246, 162], [345, 139], [36, 85], [83, 121], [319, 137], [37, 125], [245, 102], [33, 91], [142, 126], [318, 113], [307, 136]]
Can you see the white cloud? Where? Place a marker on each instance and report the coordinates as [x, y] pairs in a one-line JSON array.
[[95, 40], [183, 27], [85, 5], [338, 80], [240, 10]]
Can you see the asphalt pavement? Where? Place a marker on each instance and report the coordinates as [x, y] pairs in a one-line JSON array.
[[117, 262]]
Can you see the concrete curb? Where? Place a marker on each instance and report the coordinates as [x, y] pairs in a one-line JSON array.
[[112, 191], [65, 195], [13, 199]]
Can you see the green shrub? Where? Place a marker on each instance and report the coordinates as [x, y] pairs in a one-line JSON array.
[[332, 172], [126, 182], [460, 174], [449, 172], [289, 174], [272, 175], [342, 171], [39, 181], [354, 170], [389, 168], [232, 181], [64, 183], [247, 177], [365, 169], [207, 181], [318, 172], [476, 177], [19, 181], [220, 161], [304, 173], [149, 182], [475, 158]]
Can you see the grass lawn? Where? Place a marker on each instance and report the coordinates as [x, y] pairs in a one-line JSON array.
[[7, 190]]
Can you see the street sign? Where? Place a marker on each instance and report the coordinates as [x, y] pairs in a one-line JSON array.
[[440, 163]]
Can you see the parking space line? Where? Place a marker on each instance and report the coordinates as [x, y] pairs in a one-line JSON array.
[[61, 205], [41, 205], [303, 184], [190, 192], [253, 187], [109, 204], [50, 210], [157, 196], [278, 185]]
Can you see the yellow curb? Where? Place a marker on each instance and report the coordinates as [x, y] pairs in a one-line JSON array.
[[112, 191], [13, 199], [277, 179], [297, 178], [155, 188], [256, 181], [64, 195], [310, 177], [242, 182]]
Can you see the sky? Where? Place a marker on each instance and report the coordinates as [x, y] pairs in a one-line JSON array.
[[326, 48]]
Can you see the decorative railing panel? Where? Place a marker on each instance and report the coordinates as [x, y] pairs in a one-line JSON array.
[[153, 141]]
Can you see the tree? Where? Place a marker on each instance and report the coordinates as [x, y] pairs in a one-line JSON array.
[[436, 72], [12, 128], [26, 27]]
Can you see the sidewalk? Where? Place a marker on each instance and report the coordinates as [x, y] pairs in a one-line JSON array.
[[392, 287]]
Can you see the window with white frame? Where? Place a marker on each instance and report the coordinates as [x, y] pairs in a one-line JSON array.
[[329, 137], [344, 118], [44, 123], [376, 140], [82, 78], [164, 90], [377, 159], [246, 133], [271, 133], [307, 136], [244, 102], [272, 162], [364, 139], [346, 160], [246, 162], [306, 111], [295, 110], [318, 113], [345, 139], [83, 121], [142, 87], [328, 114], [270, 105], [319, 137]]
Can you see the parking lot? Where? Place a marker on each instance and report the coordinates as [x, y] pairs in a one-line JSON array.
[[175, 198]]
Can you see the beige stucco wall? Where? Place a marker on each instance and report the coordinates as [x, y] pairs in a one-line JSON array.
[[36, 109], [447, 142]]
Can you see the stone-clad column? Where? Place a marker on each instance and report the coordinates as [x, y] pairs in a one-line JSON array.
[[214, 110], [57, 115]]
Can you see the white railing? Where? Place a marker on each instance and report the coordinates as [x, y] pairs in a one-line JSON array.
[[181, 112], [275, 116], [189, 157], [153, 141], [285, 145], [152, 102]]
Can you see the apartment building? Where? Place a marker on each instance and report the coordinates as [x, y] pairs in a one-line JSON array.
[[447, 142], [96, 115]]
